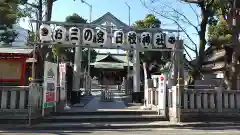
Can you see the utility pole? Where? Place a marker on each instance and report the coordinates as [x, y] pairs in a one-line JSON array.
[[89, 53], [129, 14], [77, 69], [128, 52]]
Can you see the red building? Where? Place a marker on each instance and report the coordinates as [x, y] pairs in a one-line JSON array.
[[15, 66]]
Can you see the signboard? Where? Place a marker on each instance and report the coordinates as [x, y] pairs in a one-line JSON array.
[[62, 68], [160, 84], [10, 70], [50, 83], [162, 92], [62, 77], [50, 96]]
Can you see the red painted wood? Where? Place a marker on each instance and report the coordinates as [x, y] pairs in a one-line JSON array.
[[23, 72], [10, 80], [50, 96], [16, 57]]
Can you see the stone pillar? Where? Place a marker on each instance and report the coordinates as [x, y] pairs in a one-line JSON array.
[[136, 71], [136, 95], [219, 98], [175, 112], [76, 75]]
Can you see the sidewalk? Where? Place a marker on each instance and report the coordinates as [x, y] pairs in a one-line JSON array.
[[96, 104], [130, 125]]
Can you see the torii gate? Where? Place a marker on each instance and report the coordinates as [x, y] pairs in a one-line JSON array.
[[178, 50]]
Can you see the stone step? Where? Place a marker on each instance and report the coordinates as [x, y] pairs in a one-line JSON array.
[[108, 112], [100, 125], [103, 118], [18, 119], [90, 126]]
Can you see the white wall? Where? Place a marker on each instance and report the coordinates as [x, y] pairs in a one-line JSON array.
[[22, 37]]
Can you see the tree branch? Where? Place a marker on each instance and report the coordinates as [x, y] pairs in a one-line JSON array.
[[197, 15], [184, 16], [187, 54], [209, 4], [175, 21], [193, 1], [194, 50]]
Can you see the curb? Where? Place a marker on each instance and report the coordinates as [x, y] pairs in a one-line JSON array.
[[129, 126]]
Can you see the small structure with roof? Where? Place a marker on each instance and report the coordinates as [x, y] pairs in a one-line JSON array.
[[111, 68], [15, 65]]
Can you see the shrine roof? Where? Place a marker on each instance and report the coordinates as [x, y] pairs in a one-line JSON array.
[[119, 57], [110, 65], [120, 61], [11, 50], [109, 17]]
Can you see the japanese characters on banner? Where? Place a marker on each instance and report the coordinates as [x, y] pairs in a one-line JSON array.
[[45, 32], [50, 83], [118, 38], [145, 40], [101, 37], [132, 38], [62, 77], [88, 36], [162, 91], [60, 34], [74, 35]]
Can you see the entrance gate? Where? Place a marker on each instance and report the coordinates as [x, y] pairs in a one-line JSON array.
[[105, 37]]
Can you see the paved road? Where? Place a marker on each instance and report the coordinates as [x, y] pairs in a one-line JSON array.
[[162, 131]]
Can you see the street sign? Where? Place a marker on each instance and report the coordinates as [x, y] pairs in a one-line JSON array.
[[62, 67], [50, 96], [48, 104], [62, 79], [161, 78], [50, 83]]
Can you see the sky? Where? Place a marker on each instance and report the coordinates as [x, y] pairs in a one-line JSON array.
[[118, 8]]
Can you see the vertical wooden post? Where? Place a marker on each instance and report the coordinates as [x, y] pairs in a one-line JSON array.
[[23, 74]]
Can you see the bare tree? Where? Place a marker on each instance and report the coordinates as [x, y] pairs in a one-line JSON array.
[[202, 10]]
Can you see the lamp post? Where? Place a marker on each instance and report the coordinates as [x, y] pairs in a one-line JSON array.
[[89, 50], [129, 13], [90, 7], [128, 52]]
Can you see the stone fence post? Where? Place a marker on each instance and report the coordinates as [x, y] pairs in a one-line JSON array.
[[174, 113], [219, 98]]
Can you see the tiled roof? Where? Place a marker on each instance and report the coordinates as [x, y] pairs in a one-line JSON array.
[[113, 19], [114, 65], [120, 57], [110, 65]]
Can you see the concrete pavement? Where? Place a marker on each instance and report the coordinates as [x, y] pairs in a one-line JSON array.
[[95, 104], [161, 131]]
